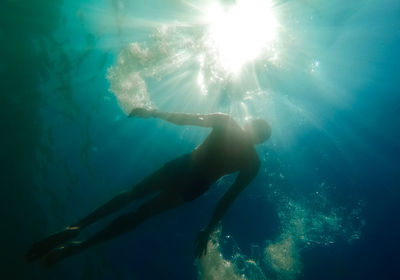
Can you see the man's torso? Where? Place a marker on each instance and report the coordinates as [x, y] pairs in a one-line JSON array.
[[226, 149]]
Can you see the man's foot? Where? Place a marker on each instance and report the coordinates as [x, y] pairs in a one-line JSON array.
[[41, 248], [61, 253]]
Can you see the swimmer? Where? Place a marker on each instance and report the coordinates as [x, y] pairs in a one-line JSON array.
[[227, 149]]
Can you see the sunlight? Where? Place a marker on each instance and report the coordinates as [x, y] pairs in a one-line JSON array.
[[238, 34]]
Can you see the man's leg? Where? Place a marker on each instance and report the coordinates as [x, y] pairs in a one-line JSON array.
[[163, 202], [153, 183]]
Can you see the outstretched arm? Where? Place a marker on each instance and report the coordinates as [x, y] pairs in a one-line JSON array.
[[242, 180], [208, 120]]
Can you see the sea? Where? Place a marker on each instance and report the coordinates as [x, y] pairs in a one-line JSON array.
[[324, 74]]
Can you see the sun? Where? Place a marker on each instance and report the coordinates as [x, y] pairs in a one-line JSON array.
[[239, 33]]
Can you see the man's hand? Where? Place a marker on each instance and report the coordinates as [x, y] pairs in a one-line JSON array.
[[142, 113], [201, 243]]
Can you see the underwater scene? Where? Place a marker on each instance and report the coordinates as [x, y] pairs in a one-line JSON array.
[[200, 139]]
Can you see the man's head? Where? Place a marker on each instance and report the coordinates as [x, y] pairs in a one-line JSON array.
[[258, 130]]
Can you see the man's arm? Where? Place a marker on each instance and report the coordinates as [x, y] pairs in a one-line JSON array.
[[209, 120], [241, 182]]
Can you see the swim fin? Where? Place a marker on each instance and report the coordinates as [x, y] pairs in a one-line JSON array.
[[44, 246]]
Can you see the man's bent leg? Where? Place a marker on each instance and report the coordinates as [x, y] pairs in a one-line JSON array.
[[149, 185], [161, 203]]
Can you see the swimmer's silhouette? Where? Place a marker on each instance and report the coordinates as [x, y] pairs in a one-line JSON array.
[[227, 149]]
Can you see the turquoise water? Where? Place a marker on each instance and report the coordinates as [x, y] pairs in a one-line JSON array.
[[324, 74]]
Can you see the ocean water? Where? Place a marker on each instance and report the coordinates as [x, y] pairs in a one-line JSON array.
[[325, 74]]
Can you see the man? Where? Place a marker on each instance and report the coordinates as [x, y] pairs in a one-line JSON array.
[[227, 149]]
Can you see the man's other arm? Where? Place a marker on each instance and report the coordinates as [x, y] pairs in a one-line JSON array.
[[241, 182]]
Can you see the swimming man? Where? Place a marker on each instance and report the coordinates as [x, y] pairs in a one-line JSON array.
[[227, 149]]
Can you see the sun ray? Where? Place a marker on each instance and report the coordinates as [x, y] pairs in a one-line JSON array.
[[239, 33]]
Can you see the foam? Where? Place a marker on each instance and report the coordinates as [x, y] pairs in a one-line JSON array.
[[213, 266], [140, 61], [314, 221], [308, 222], [283, 257], [170, 50]]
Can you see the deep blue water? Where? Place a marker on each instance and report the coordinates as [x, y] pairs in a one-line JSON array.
[[325, 202]]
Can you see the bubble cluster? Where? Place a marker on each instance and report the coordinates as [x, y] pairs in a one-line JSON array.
[[305, 223], [213, 266], [138, 62], [169, 52]]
